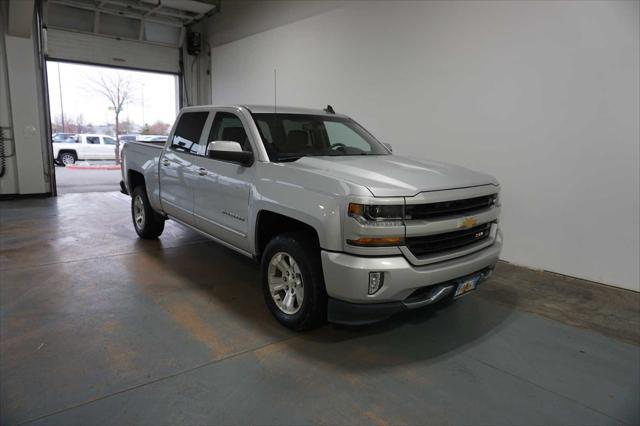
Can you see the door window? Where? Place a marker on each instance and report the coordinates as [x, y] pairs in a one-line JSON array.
[[228, 127], [93, 140], [186, 138], [109, 141]]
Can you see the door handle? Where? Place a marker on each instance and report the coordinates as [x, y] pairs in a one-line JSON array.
[[165, 162], [202, 171]]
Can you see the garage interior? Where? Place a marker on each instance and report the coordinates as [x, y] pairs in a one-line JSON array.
[[100, 327]]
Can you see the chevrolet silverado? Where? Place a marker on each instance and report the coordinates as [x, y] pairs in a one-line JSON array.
[[343, 229]]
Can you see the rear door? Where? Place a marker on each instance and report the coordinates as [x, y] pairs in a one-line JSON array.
[[223, 188], [92, 148], [109, 148], [177, 173]]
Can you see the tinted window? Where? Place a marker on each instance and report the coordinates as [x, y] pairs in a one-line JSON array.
[[93, 140], [109, 141], [228, 127], [188, 131], [287, 137]]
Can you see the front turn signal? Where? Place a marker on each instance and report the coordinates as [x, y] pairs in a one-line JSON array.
[[376, 241]]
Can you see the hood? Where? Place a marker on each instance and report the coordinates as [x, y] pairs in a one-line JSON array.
[[393, 175]]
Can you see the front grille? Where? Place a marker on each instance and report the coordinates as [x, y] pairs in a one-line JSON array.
[[448, 208], [429, 244]]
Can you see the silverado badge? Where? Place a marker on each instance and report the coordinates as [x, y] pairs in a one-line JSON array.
[[469, 222]]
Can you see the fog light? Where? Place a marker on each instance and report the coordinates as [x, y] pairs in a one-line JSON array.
[[376, 279]]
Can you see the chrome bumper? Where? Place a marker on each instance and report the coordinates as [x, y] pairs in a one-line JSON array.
[[347, 276]]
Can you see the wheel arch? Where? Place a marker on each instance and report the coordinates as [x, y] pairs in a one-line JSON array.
[[68, 151], [135, 178], [270, 224]]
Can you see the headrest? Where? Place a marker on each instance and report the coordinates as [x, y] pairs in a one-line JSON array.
[[235, 134], [298, 140]]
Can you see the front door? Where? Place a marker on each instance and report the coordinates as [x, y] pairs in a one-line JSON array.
[[177, 172], [221, 206]]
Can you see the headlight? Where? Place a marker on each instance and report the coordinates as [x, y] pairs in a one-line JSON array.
[[365, 214], [377, 216]]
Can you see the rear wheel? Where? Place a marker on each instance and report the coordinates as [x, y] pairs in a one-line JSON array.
[[67, 158], [292, 281], [148, 223]]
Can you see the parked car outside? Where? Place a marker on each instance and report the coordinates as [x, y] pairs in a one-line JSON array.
[[62, 137], [124, 139], [152, 138], [84, 147]]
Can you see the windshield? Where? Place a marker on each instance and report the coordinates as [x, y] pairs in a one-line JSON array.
[[287, 137]]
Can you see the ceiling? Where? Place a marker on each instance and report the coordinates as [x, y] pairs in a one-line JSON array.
[[155, 21]]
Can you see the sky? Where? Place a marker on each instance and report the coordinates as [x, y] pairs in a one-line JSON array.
[[154, 96]]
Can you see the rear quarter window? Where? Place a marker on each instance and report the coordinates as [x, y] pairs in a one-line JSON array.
[[186, 138]]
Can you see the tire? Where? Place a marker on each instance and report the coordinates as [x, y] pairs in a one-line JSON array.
[[67, 158], [308, 309], [148, 224]]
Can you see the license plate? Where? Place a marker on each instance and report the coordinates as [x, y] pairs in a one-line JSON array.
[[466, 285]]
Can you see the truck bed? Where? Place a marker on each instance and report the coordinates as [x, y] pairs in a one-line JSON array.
[[143, 158]]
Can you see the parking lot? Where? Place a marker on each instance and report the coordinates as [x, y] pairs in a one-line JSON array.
[[81, 179]]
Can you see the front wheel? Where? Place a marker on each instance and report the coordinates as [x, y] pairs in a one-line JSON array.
[[67, 158], [148, 223], [292, 281]]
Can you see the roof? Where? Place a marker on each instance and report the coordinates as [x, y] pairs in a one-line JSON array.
[[259, 109]]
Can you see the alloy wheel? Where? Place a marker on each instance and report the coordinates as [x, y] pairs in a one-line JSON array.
[[285, 283], [138, 212]]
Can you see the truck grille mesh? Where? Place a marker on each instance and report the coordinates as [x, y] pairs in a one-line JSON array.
[[448, 208], [429, 244]]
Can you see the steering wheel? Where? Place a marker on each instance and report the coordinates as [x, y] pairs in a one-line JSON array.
[[337, 146]]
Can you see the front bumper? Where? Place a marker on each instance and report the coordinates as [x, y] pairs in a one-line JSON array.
[[341, 312], [347, 277]]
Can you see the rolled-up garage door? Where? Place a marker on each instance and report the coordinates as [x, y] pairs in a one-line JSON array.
[[94, 49]]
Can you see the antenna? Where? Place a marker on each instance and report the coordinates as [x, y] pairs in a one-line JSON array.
[[275, 90]]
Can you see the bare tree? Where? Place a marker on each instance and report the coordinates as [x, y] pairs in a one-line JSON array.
[[118, 91], [79, 122], [72, 125], [56, 124], [159, 128], [127, 126]]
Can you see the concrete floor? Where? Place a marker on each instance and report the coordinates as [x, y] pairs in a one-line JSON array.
[[70, 181], [98, 327]]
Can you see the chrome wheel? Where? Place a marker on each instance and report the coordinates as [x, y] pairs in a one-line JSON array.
[[138, 212], [67, 159], [285, 283]]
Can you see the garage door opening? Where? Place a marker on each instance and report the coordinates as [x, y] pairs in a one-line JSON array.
[[95, 111]]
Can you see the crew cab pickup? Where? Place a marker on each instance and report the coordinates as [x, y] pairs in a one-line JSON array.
[[84, 147], [344, 230]]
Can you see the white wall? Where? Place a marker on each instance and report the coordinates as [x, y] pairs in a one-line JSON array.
[[21, 106], [8, 182], [543, 95]]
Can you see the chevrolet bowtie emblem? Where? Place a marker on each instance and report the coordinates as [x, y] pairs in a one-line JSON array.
[[469, 222]]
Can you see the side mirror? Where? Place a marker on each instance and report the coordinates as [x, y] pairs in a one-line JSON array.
[[388, 145], [229, 151]]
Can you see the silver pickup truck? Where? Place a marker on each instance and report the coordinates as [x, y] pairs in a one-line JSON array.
[[344, 230]]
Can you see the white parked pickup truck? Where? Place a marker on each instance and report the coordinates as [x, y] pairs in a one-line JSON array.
[[84, 147], [343, 229]]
